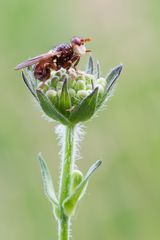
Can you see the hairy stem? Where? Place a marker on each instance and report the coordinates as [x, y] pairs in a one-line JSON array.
[[66, 171]]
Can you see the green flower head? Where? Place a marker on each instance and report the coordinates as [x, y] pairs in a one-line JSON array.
[[72, 96]]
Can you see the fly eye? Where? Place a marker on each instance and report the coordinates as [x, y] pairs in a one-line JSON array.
[[76, 41]]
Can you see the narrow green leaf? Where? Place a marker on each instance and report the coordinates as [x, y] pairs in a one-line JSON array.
[[50, 110], [29, 85], [85, 109], [90, 66], [70, 202], [65, 100], [47, 181]]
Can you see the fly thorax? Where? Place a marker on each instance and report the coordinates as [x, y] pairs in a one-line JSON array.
[[79, 50]]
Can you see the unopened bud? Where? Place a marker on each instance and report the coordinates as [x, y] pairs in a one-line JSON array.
[[62, 78], [43, 87], [82, 93], [89, 78], [51, 94], [80, 85], [72, 92], [54, 81], [100, 89], [80, 77], [101, 81], [59, 85], [71, 83], [89, 87], [72, 72], [89, 92]]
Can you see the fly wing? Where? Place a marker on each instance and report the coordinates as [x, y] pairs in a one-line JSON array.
[[36, 59]]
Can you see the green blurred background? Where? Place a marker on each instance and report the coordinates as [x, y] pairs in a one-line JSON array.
[[123, 198]]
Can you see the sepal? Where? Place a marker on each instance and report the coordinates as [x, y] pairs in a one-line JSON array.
[[50, 109], [98, 70], [85, 109], [65, 100], [90, 66], [111, 81], [70, 203], [113, 76], [29, 85]]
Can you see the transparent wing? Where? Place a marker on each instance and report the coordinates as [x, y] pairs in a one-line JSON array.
[[36, 59]]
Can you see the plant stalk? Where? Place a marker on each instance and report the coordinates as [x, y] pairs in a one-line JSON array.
[[65, 179]]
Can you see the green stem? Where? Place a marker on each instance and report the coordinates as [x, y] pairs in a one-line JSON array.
[[66, 171]]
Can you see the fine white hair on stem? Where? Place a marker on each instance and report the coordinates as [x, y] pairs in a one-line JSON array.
[[78, 137], [79, 133], [61, 132]]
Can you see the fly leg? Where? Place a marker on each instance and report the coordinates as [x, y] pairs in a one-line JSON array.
[[76, 62], [42, 72]]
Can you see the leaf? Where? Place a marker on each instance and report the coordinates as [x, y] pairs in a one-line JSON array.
[[70, 202], [47, 181], [29, 85], [50, 110], [65, 100], [90, 66], [85, 109]]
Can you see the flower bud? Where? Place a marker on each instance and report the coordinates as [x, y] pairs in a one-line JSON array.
[[59, 85], [89, 92], [80, 77], [72, 83], [63, 77], [102, 81], [82, 94], [100, 89], [43, 87], [72, 92], [89, 78], [54, 82], [51, 94], [72, 73], [80, 85], [72, 96], [89, 87]]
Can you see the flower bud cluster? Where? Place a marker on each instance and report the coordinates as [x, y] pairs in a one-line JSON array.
[[79, 86], [72, 96]]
